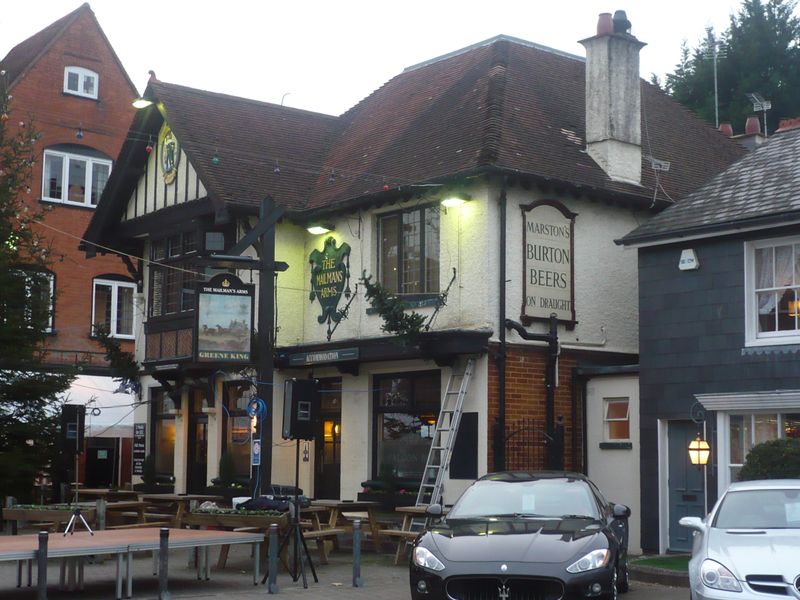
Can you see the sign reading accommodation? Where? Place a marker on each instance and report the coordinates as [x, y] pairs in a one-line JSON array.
[[139, 447], [224, 319], [330, 278], [548, 269]]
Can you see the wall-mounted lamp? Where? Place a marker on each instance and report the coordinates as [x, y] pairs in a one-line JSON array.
[[794, 308], [141, 102], [454, 200], [699, 451], [319, 229], [79, 133]]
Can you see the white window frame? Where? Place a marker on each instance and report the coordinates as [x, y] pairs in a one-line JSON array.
[[607, 420], [51, 278], [82, 74], [752, 336], [90, 161], [115, 286]]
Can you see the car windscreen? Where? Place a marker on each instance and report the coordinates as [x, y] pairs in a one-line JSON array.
[[537, 498], [759, 509]]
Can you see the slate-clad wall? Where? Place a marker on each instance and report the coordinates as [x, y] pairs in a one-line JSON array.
[[692, 342]]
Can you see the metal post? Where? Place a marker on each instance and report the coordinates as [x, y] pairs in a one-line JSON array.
[[11, 526], [101, 513], [163, 564], [272, 585], [357, 581], [41, 566], [499, 445]]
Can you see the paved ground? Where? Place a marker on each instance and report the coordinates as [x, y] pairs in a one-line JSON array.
[[381, 579]]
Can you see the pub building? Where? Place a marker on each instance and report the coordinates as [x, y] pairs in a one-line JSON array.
[[485, 188]]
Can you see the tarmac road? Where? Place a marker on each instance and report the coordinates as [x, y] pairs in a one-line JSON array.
[[382, 581]]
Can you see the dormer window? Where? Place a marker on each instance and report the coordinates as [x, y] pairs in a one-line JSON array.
[[81, 82]]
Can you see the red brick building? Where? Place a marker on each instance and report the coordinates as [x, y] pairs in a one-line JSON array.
[[68, 80]]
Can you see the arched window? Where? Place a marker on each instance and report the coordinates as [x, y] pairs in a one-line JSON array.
[[74, 174], [81, 82]]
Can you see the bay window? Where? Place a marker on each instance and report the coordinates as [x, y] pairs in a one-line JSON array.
[[750, 429]]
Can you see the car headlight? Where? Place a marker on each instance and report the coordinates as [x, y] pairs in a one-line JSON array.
[[716, 576], [594, 560], [427, 559]]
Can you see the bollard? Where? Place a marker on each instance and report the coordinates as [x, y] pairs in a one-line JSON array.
[[272, 585], [357, 581], [41, 560], [100, 506], [163, 564], [11, 526]]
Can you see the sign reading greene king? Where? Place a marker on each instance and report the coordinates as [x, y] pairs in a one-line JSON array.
[[547, 262]]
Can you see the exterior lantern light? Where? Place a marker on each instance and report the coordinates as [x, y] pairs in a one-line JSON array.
[[699, 451], [141, 102], [319, 229], [454, 200]]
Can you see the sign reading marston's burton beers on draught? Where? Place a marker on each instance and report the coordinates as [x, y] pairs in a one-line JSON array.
[[547, 262], [224, 319]]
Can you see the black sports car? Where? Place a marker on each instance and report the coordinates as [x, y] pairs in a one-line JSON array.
[[524, 535]]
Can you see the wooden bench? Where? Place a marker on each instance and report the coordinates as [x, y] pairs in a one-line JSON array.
[[139, 525], [320, 536], [404, 537]]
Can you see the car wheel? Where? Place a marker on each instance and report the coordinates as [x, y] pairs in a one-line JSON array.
[[612, 595], [623, 578]]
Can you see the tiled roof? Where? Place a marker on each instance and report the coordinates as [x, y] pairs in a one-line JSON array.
[[760, 188], [25, 54], [502, 105]]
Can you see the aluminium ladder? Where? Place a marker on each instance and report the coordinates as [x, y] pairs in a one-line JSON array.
[[444, 435]]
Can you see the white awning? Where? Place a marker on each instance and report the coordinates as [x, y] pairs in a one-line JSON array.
[[108, 413]]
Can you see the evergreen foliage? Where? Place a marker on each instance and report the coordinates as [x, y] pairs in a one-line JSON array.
[[758, 53], [29, 395], [392, 309], [776, 459]]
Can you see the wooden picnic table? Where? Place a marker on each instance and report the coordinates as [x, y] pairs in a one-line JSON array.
[[181, 503], [340, 516], [406, 533], [58, 515], [106, 494]]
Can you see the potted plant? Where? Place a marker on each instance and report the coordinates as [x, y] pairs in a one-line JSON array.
[[228, 485]]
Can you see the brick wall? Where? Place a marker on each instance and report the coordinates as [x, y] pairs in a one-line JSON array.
[[57, 116], [525, 396]]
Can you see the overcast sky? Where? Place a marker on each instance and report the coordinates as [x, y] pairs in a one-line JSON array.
[[326, 56]]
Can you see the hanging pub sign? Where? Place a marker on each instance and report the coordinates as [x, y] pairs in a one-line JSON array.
[[224, 319], [548, 267], [330, 278]]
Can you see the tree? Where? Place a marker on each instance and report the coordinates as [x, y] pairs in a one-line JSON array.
[[29, 395], [759, 52]]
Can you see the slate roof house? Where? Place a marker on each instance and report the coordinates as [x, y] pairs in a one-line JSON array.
[[551, 183], [69, 79], [718, 319]]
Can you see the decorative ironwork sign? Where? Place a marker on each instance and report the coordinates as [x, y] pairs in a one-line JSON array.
[[330, 278], [224, 319], [548, 267]]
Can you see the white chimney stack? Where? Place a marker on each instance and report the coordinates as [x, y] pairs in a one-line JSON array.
[[613, 99]]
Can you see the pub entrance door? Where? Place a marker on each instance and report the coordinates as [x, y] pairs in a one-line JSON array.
[[328, 442], [197, 442]]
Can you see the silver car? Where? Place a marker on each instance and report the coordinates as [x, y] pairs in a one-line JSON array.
[[749, 544]]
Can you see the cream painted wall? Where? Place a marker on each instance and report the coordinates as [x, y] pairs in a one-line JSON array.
[[616, 472]]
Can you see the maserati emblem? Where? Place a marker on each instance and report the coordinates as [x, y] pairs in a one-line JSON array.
[[504, 568], [503, 592]]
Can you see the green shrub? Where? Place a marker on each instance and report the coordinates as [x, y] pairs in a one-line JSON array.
[[776, 459]]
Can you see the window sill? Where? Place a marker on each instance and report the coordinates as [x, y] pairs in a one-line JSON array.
[[412, 302], [68, 203], [616, 446]]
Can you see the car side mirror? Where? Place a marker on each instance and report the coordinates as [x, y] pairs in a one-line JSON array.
[[434, 510], [621, 511], [695, 523]]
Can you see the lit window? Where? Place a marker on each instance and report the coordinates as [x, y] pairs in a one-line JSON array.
[[112, 307], [80, 82], [74, 178], [617, 419], [772, 282], [409, 251]]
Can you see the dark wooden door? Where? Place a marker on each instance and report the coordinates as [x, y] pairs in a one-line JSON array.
[[328, 442], [197, 445]]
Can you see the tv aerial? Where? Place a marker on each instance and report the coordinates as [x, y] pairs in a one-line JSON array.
[[760, 104]]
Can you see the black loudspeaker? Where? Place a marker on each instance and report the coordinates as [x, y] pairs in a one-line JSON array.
[[300, 409], [72, 426]]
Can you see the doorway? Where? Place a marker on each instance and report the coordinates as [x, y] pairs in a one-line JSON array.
[[686, 491], [101, 463], [328, 442], [197, 443]]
